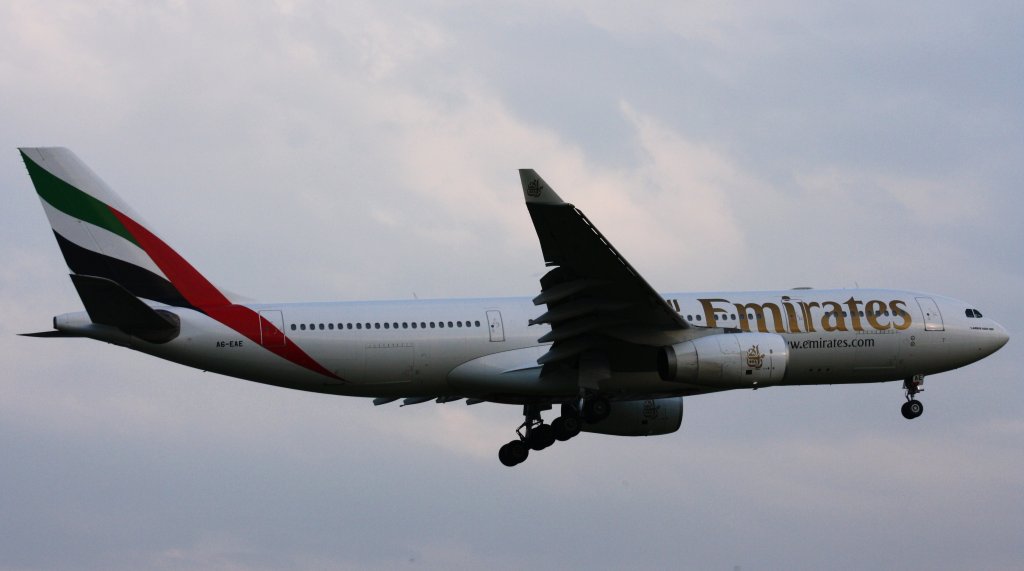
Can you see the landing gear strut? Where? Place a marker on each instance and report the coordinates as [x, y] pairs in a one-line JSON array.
[[535, 435], [913, 407]]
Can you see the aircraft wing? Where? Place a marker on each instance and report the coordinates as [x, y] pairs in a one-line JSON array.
[[600, 309]]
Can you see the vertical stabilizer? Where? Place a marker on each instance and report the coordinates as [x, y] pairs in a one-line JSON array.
[[101, 236]]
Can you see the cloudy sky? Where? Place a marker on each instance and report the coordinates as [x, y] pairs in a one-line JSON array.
[[368, 150]]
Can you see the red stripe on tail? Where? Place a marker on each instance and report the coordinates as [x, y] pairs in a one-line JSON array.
[[203, 295]]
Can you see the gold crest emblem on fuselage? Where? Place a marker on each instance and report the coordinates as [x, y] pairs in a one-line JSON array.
[[755, 358]]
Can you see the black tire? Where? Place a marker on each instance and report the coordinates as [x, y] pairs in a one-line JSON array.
[[513, 453], [915, 408], [566, 427], [570, 409], [541, 436], [596, 409], [905, 409]]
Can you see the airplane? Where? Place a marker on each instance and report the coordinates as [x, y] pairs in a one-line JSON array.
[[598, 341]]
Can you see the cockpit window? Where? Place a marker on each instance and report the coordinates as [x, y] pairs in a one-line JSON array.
[[973, 313]]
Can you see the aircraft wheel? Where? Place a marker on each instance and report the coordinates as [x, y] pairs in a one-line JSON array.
[[912, 409], [541, 437], [566, 427], [515, 452], [916, 408], [596, 409]]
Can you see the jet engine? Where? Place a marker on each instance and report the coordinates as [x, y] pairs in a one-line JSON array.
[[640, 418], [727, 361]]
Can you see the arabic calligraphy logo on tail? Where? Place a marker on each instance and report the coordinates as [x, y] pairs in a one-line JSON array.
[[755, 358], [534, 188]]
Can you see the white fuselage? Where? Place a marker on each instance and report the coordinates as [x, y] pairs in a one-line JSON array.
[[488, 348]]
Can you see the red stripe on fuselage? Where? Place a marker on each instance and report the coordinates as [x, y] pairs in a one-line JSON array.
[[202, 294]]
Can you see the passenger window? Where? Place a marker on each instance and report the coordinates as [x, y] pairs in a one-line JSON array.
[[698, 318], [303, 326], [386, 325], [330, 326], [376, 325], [449, 324], [458, 323], [477, 323], [293, 327], [689, 318]]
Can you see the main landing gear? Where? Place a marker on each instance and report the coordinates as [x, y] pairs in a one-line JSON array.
[[535, 435], [913, 407]]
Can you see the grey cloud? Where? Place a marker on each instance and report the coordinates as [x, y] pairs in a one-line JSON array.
[[300, 150]]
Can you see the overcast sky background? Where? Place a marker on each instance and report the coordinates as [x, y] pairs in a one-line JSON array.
[[368, 150]]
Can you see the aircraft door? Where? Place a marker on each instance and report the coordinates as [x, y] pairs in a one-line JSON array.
[[495, 326], [932, 317], [796, 321], [271, 328]]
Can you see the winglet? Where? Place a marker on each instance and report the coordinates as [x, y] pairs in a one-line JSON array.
[[536, 190]]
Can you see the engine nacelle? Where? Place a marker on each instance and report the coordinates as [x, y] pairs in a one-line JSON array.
[[728, 360], [640, 418]]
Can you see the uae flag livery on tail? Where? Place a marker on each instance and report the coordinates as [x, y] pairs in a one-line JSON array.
[[102, 239]]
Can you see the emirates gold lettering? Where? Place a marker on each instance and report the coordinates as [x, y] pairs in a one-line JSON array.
[[760, 313], [873, 309], [833, 320], [853, 304], [710, 310], [808, 318], [899, 309], [794, 325], [797, 316]]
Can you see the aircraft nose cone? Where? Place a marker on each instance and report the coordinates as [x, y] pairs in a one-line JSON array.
[[992, 340], [999, 337]]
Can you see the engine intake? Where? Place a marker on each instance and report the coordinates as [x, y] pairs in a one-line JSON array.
[[729, 360]]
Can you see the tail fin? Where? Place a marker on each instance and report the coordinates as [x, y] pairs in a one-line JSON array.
[[102, 238]]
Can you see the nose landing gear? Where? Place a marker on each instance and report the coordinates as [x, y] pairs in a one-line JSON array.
[[913, 407]]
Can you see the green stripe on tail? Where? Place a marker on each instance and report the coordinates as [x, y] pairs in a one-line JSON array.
[[73, 202]]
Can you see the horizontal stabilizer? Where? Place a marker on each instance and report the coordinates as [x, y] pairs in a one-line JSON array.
[[51, 334], [108, 303]]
